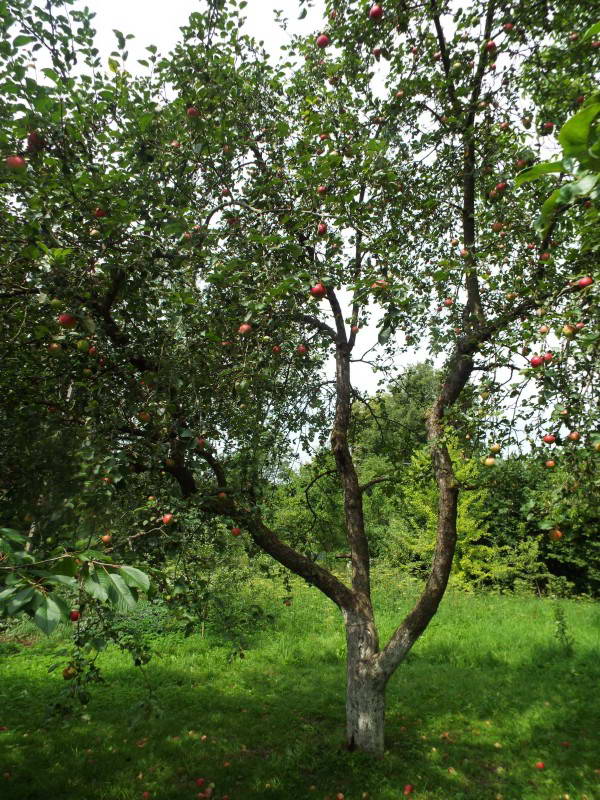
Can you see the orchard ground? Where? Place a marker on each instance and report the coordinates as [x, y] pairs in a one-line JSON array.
[[490, 704]]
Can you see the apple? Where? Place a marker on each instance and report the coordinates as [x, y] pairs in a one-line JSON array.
[[107, 538], [490, 46], [15, 162], [93, 351], [464, 252], [497, 227], [276, 349], [544, 329], [318, 290], [400, 93], [580, 326], [495, 448], [74, 615], [201, 442], [548, 357], [99, 213], [222, 495], [596, 44], [83, 345], [500, 187], [321, 190], [454, 242], [520, 163], [355, 329], [67, 320], [530, 246], [376, 12], [200, 781], [569, 330], [35, 142], [549, 438], [167, 519], [536, 361], [448, 302], [146, 795], [322, 228], [244, 328], [302, 349], [322, 40], [490, 461], [225, 192], [548, 126], [175, 144], [580, 100], [556, 534], [596, 446], [379, 284], [408, 789], [437, 56], [539, 765], [192, 112], [69, 673], [574, 436], [545, 256], [144, 416], [550, 463], [573, 37], [585, 281], [54, 348], [236, 531], [508, 27], [504, 126]]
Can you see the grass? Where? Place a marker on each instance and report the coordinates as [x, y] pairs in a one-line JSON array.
[[486, 693]]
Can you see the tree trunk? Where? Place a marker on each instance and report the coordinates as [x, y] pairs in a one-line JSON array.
[[365, 688]]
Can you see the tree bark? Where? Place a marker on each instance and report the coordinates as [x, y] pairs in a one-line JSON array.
[[365, 687]]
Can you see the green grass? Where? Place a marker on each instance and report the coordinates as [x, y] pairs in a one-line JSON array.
[[486, 694]]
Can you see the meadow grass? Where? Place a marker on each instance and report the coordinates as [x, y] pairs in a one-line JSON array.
[[486, 693]]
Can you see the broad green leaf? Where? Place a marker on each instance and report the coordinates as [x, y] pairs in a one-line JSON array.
[[135, 577], [19, 600], [574, 134], [535, 172], [123, 592], [591, 31], [94, 586], [48, 615]]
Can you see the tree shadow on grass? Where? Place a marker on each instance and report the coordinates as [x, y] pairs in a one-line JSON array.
[[453, 732]]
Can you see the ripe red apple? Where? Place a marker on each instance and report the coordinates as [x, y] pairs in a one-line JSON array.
[[545, 256], [318, 290], [464, 252], [448, 301], [580, 100], [74, 615], [376, 12], [276, 349], [146, 795], [322, 228], [585, 281], [500, 187], [192, 112], [144, 416], [244, 328], [67, 320], [574, 436], [497, 227], [99, 213], [15, 162], [569, 330], [106, 538], [302, 349], [236, 531], [548, 126], [380, 285], [508, 26], [175, 144], [544, 329], [596, 44], [490, 46], [580, 325], [556, 534], [539, 765], [222, 495], [400, 93], [549, 438], [520, 163], [323, 40], [35, 142], [355, 329], [408, 789], [321, 190], [504, 126], [200, 781], [453, 242], [377, 51], [201, 442], [550, 463], [536, 361], [548, 357], [167, 519]]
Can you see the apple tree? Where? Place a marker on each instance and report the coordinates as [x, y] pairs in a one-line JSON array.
[[194, 251]]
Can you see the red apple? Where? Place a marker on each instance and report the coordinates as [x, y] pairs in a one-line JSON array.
[[276, 349], [376, 12], [167, 519], [580, 325], [15, 162], [175, 144], [548, 357], [225, 192], [490, 46], [550, 463], [497, 227], [321, 190], [539, 765], [318, 290], [192, 111], [448, 302], [146, 795], [580, 100], [596, 44], [54, 348], [508, 26], [408, 789], [144, 416], [201, 442], [377, 51], [545, 256], [35, 142], [322, 228], [556, 534], [464, 252], [67, 320], [244, 328], [400, 93], [380, 284], [200, 781], [549, 438], [99, 213], [548, 126], [74, 615], [520, 163], [504, 126], [544, 329], [574, 436], [355, 329], [323, 40], [536, 361], [302, 349], [500, 187], [236, 531], [107, 538], [585, 281]]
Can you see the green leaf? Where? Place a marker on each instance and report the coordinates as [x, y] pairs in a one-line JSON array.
[[94, 586], [123, 594], [48, 615], [535, 172], [19, 600], [135, 577], [591, 31], [574, 134]]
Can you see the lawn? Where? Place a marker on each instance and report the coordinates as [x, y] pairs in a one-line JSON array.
[[488, 692]]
